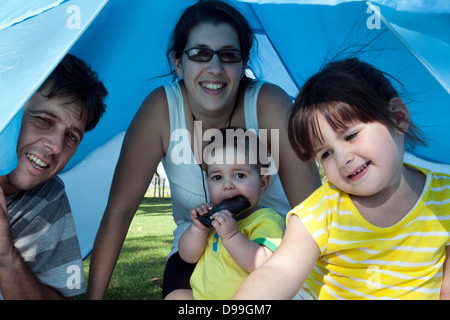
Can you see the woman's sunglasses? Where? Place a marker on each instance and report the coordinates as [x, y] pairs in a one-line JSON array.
[[205, 55]]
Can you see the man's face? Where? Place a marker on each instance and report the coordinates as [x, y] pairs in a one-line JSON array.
[[49, 136]]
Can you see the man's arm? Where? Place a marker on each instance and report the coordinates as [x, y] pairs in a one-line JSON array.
[[17, 281]]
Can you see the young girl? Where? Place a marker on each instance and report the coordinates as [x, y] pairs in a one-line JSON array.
[[379, 228]]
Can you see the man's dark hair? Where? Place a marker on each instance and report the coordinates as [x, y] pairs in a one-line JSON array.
[[75, 81]]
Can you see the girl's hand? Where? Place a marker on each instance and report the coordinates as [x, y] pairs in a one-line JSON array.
[[225, 224], [201, 210]]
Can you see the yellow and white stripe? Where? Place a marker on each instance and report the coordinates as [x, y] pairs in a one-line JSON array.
[[362, 261]]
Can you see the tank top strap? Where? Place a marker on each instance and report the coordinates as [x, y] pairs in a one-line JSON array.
[[176, 106], [251, 105]]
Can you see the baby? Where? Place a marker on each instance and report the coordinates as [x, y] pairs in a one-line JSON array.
[[235, 245]]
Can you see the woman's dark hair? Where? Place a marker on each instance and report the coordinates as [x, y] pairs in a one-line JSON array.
[[343, 91], [210, 11], [74, 80]]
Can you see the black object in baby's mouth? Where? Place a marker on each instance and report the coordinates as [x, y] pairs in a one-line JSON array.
[[235, 205]]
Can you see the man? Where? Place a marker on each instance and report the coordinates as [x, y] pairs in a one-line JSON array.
[[39, 252]]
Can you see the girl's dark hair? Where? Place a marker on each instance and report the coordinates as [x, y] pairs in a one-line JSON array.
[[74, 81], [343, 91], [210, 11]]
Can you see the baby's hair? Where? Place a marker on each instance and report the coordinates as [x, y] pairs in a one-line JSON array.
[[343, 92], [254, 149]]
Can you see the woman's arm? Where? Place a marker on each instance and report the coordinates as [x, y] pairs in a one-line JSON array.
[[282, 276], [299, 179], [145, 143]]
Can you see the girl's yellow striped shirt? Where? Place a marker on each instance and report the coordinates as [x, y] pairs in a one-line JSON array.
[[361, 261]]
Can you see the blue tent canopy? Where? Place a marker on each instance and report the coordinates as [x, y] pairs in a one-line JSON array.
[[125, 42]]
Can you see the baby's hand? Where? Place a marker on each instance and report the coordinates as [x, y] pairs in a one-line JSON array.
[[225, 224], [201, 210]]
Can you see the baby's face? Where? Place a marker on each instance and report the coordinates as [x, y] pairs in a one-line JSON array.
[[228, 180]]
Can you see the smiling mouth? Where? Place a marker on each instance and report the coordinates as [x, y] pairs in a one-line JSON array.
[[213, 86], [36, 162], [359, 170]]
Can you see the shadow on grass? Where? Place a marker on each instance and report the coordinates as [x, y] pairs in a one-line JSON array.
[[155, 207]]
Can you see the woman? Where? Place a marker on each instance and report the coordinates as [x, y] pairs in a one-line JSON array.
[[209, 49]]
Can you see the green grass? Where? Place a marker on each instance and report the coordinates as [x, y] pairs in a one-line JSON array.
[[139, 270]]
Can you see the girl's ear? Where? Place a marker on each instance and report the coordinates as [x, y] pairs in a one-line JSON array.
[[177, 65], [400, 113]]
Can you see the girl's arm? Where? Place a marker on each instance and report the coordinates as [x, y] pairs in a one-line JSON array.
[[282, 276], [299, 179], [145, 143]]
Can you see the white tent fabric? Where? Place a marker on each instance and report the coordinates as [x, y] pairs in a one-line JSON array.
[[125, 42]]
